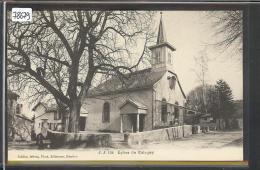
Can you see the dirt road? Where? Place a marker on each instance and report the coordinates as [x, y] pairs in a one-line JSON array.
[[205, 140], [213, 146]]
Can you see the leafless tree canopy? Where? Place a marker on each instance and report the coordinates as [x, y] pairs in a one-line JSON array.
[[201, 72], [60, 52], [228, 25]]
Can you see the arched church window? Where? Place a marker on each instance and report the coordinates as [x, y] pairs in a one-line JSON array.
[[164, 110], [106, 112]]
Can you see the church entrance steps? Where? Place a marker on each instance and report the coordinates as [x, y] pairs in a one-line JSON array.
[[120, 145], [117, 137]]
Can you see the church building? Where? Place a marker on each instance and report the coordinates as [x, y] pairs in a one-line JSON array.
[[151, 98]]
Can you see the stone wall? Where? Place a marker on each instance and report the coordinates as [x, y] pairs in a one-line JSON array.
[[165, 134], [73, 140]]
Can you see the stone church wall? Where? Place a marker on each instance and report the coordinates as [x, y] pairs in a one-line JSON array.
[[172, 96], [95, 109]]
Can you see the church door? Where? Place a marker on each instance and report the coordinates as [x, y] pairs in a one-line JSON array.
[[141, 123], [134, 122]]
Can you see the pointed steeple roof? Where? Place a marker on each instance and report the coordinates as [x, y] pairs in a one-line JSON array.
[[161, 37]]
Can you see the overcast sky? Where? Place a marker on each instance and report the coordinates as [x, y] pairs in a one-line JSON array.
[[189, 32]]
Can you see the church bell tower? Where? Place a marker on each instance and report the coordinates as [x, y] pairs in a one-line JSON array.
[[162, 52]]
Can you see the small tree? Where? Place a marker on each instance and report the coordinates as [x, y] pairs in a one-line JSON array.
[[198, 96], [201, 73], [226, 107]]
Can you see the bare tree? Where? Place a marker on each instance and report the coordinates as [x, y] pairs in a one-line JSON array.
[[60, 52], [201, 73], [228, 27]]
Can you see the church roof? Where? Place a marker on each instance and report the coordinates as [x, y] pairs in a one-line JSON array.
[[23, 117], [135, 103], [163, 44], [161, 37], [137, 80], [141, 79], [179, 84]]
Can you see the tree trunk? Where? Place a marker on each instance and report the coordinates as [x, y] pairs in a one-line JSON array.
[[65, 121], [11, 129], [74, 117], [227, 126], [63, 112]]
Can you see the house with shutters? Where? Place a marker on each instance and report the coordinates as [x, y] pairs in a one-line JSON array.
[[48, 116], [45, 115], [149, 99]]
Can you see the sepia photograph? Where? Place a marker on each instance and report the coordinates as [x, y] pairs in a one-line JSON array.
[[125, 85]]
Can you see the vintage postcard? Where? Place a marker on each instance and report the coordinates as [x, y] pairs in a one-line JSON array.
[[124, 85]]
